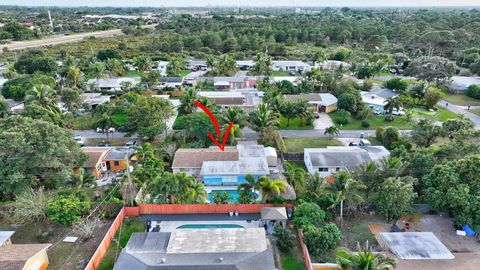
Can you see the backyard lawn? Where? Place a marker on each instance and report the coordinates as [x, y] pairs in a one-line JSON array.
[[295, 124], [298, 144], [461, 99], [441, 114], [87, 121], [292, 262], [477, 112]]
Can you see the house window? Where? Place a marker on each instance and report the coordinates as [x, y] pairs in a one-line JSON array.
[[337, 169], [116, 163], [323, 169]]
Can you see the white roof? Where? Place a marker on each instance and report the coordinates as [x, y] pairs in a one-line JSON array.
[[462, 82], [5, 235], [111, 82], [274, 213], [221, 240], [245, 63], [270, 151], [416, 246], [217, 94], [290, 63], [328, 99], [372, 98], [94, 98], [221, 83]]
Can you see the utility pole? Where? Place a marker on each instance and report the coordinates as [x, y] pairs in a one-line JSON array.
[[50, 18]]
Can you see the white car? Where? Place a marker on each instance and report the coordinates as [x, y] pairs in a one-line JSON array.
[[398, 113], [79, 140], [110, 130]]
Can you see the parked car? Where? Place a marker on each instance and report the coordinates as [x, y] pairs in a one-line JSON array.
[[110, 130], [131, 143], [353, 144], [365, 142], [79, 140], [317, 115]]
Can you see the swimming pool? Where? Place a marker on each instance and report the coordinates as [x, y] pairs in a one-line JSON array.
[[209, 226], [233, 195]]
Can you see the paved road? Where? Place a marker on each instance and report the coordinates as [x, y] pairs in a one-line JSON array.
[[18, 45], [91, 134], [342, 134], [461, 110]]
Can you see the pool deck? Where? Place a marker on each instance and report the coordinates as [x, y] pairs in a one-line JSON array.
[[200, 217], [171, 226]]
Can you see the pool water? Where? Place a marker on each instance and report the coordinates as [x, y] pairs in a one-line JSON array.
[[233, 195], [208, 226]]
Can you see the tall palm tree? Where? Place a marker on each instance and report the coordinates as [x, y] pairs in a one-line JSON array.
[[250, 184], [262, 64], [187, 105], [98, 71], [345, 188], [175, 66], [142, 63], [295, 176], [331, 131], [263, 118], [74, 76], [392, 103], [115, 67], [392, 166], [42, 95], [105, 123], [226, 65], [271, 188], [211, 63], [363, 259], [289, 111], [233, 114]]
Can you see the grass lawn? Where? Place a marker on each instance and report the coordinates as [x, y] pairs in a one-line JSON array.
[[375, 121], [280, 73], [355, 230], [131, 73], [292, 262], [294, 124], [120, 118], [298, 144], [441, 114], [477, 112], [130, 225], [184, 72], [82, 122], [461, 99]]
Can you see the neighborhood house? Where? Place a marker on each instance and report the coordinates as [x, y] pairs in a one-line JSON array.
[[111, 84], [321, 102], [246, 99]]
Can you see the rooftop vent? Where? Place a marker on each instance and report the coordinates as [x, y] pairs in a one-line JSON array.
[[163, 260], [220, 259]]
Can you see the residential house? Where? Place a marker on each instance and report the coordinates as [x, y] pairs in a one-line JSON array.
[[111, 84], [232, 83], [196, 65], [377, 98], [170, 82], [327, 161], [104, 159], [247, 99], [332, 65], [245, 64], [232, 248], [293, 79], [216, 167], [92, 100], [5, 237], [95, 163], [461, 83], [161, 67], [24, 256], [296, 66], [322, 102]]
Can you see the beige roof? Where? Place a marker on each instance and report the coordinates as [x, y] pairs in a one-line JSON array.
[[95, 154], [274, 213], [194, 158], [15, 256], [228, 100], [308, 97]]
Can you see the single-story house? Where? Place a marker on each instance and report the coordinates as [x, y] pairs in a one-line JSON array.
[[171, 82], [216, 167], [297, 66], [244, 99], [92, 100], [377, 98], [5, 237], [95, 163], [461, 83], [196, 64], [161, 67], [332, 65], [232, 249], [327, 161], [322, 102], [111, 84], [24, 256], [103, 159], [232, 83], [245, 64], [293, 79]]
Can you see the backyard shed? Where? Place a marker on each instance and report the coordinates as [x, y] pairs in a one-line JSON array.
[[274, 213]]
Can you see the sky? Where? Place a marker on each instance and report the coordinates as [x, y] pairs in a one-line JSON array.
[[183, 3]]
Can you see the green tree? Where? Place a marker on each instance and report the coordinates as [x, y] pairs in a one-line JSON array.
[[432, 97], [321, 240], [392, 103], [151, 79], [347, 102], [235, 115], [346, 189], [283, 238], [187, 105], [222, 197], [105, 123], [35, 111], [66, 210], [142, 63], [425, 133], [307, 214], [363, 259], [30, 205], [263, 118], [74, 76], [226, 66], [396, 84], [115, 67], [98, 71], [394, 197], [71, 98], [262, 64], [271, 188], [176, 188], [432, 69]]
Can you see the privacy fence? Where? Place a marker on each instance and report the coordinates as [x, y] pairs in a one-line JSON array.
[[144, 209]]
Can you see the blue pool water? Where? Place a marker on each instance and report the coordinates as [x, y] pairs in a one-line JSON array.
[[208, 226], [233, 195]]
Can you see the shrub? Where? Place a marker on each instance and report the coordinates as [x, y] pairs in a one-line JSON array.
[[321, 240], [347, 102], [367, 85], [66, 210], [284, 238], [473, 91], [307, 214], [342, 117], [396, 84], [365, 124]]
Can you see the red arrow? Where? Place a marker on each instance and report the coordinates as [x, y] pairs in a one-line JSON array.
[[217, 128]]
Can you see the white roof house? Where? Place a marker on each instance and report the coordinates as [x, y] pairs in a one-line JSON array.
[[246, 99], [94, 99], [113, 84], [162, 67], [461, 83], [332, 65], [298, 66], [327, 161]]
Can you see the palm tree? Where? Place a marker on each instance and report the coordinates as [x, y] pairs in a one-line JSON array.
[[221, 197], [250, 184], [235, 129], [263, 118], [289, 111], [233, 114], [363, 259], [295, 176], [115, 67], [175, 66], [142, 63], [271, 188], [4, 107], [211, 63], [345, 188], [262, 64], [226, 65], [187, 105], [98, 71], [331, 131], [392, 166], [105, 123], [74, 76], [43, 95], [392, 103]]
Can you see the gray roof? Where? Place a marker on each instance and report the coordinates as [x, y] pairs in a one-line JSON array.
[[5, 235], [153, 256], [274, 213], [416, 246], [314, 98], [461, 83], [171, 79], [119, 153], [348, 157]]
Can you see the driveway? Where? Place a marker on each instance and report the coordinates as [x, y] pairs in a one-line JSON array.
[[461, 110], [324, 121]]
